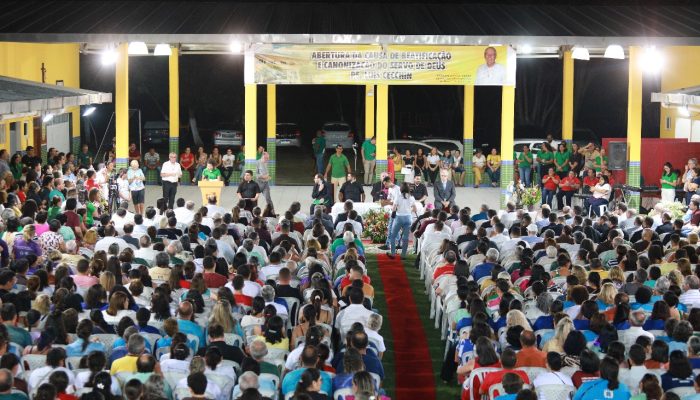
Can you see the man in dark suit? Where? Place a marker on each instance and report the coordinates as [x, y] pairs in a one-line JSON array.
[[666, 225], [322, 193], [444, 192], [343, 216]]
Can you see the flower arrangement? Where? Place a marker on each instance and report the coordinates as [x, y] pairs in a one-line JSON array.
[[531, 196], [676, 209], [376, 225]]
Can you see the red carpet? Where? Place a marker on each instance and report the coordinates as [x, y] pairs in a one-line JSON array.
[[414, 368]]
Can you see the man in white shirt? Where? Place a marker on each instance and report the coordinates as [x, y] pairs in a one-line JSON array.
[[170, 172], [439, 233], [250, 288], [632, 376], [629, 336], [55, 361], [121, 218], [178, 360], [691, 296], [184, 212], [109, 239], [213, 207], [268, 294], [272, 269], [490, 73], [145, 251], [555, 376], [355, 312], [374, 325]]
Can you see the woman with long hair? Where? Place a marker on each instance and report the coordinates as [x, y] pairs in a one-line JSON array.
[[419, 164], [561, 331], [26, 244], [404, 207], [310, 384], [668, 181], [83, 345], [202, 158], [365, 387], [680, 372], [118, 308], [274, 334], [608, 386], [221, 314], [649, 388]]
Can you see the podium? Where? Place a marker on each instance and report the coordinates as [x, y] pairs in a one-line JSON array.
[[210, 187]]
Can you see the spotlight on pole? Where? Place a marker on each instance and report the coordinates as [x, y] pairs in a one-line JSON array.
[[88, 111], [580, 53], [652, 60], [525, 49], [47, 118], [684, 111], [109, 56], [138, 49], [236, 47], [615, 51], [162, 49]]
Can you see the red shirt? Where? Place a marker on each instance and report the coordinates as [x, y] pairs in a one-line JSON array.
[[695, 218], [494, 378], [346, 281], [66, 396], [89, 184], [552, 183], [445, 269], [214, 280], [590, 181], [243, 299], [22, 196], [134, 154], [568, 183], [186, 160]]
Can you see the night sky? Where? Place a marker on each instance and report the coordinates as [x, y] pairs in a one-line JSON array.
[[211, 87]]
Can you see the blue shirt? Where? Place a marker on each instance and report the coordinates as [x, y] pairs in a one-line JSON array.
[[507, 396], [682, 346], [582, 324], [669, 382], [75, 349], [193, 329], [289, 383], [148, 329], [653, 324], [598, 390], [543, 322], [497, 324], [482, 270]]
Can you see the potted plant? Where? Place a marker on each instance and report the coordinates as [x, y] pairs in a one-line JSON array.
[[531, 196], [376, 225]]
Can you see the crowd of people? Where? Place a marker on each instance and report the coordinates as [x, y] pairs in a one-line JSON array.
[[176, 301]]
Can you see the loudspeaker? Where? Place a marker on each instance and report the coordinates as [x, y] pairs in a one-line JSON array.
[[617, 156]]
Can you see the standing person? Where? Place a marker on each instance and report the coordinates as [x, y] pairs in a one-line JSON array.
[[319, 148], [688, 177], [478, 166], [576, 160], [458, 168], [369, 159], [170, 173], [550, 183], [136, 186], [151, 161], [248, 190], [404, 206], [433, 165], [419, 164], [338, 166], [187, 161], [668, 183], [601, 160], [263, 177], [561, 160], [85, 157], [227, 163], [525, 166], [567, 187], [545, 159], [493, 167], [122, 186], [444, 192]]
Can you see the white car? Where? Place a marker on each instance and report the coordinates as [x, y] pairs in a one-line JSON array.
[[228, 135], [445, 144], [413, 145], [338, 133]]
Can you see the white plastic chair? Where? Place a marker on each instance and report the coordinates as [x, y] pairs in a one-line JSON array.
[[232, 339], [73, 363], [34, 361], [532, 372], [683, 391], [555, 392], [479, 374], [106, 339], [496, 390]]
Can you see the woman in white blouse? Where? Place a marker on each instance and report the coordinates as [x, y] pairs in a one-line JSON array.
[[404, 207], [601, 193], [433, 165]]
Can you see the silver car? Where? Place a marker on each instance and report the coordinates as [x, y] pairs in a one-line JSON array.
[[338, 133], [228, 135], [288, 135]]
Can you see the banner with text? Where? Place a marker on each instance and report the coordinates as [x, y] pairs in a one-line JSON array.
[[373, 64]]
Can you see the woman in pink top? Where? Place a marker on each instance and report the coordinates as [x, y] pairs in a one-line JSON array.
[[83, 279], [41, 225]]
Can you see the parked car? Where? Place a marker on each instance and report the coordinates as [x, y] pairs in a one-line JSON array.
[[413, 145], [228, 134], [338, 133], [288, 135], [445, 144], [155, 134]]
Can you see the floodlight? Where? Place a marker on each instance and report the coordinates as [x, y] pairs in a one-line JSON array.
[[580, 53], [88, 111], [47, 118], [615, 51], [684, 111], [526, 49], [652, 60], [162, 49], [236, 47], [109, 56], [138, 49]]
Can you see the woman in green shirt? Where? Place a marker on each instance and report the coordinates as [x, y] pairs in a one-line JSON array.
[[545, 159], [525, 166], [211, 173], [668, 183], [601, 160], [92, 206], [16, 166], [561, 161]]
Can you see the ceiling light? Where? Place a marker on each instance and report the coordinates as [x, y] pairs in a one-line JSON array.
[[47, 118], [109, 56], [580, 53], [138, 49], [88, 111], [652, 60], [684, 111], [162, 49], [615, 51], [236, 47], [526, 49]]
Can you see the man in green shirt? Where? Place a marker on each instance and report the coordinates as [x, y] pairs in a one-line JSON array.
[[6, 384], [58, 186], [319, 147], [369, 158], [10, 319], [85, 157], [339, 167]]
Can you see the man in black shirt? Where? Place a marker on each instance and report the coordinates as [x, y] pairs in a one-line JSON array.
[[249, 191], [343, 216], [419, 192], [285, 289], [30, 159], [171, 232], [218, 343], [352, 190]]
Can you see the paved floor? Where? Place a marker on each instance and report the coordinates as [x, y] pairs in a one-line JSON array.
[[283, 196]]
